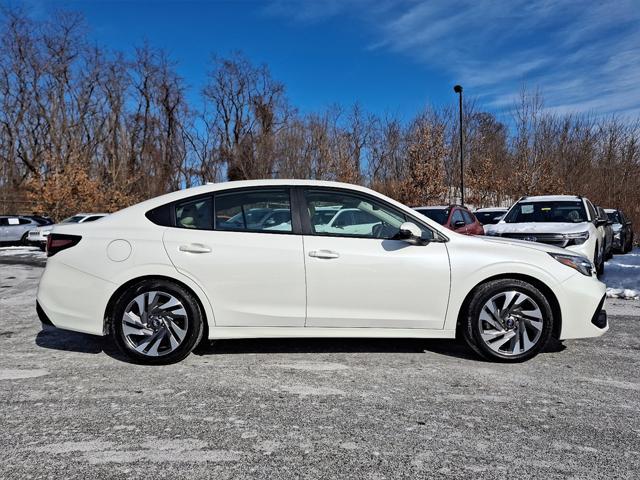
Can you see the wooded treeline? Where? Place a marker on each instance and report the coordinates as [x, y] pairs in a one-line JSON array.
[[84, 128]]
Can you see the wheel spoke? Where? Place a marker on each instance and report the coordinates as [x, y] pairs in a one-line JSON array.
[[136, 330], [487, 316]]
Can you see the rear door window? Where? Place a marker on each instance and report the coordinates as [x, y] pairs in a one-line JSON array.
[[254, 211]]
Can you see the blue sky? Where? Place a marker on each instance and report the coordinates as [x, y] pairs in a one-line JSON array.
[[395, 57]]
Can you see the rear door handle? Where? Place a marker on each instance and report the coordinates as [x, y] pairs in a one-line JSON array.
[[324, 254], [194, 248]]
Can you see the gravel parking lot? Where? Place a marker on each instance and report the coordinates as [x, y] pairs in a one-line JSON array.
[[70, 407]]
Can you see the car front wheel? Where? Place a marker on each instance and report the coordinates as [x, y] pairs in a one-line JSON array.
[[156, 322], [508, 320]]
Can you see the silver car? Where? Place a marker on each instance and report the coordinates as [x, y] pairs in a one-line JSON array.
[[14, 228]]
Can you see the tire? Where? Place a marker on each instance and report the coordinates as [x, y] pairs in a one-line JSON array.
[[598, 261], [156, 322], [23, 240], [508, 344]]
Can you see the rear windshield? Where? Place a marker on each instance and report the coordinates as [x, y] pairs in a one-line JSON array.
[[557, 212], [489, 217], [614, 217], [439, 215], [74, 219]]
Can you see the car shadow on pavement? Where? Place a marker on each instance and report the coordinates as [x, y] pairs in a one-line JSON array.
[[67, 341], [450, 348], [63, 340]]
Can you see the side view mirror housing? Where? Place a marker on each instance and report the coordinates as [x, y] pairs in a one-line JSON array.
[[458, 224], [600, 222], [411, 232]]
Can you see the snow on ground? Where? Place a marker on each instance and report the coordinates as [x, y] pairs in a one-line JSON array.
[[622, 275], [21, 251]]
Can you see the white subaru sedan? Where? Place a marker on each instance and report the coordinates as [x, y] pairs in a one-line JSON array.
[[162, 275]]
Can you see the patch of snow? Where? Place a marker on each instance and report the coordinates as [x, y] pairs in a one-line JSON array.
[[622, 276], [21, 251]]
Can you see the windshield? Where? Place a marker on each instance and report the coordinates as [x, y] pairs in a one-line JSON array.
[[557, 212], [439, 215], [489, 217], [74, 219], [614, 217]]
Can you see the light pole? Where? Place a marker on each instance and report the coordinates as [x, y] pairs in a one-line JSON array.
[[458, 90]]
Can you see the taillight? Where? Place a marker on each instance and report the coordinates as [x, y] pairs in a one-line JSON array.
[[58, 241]]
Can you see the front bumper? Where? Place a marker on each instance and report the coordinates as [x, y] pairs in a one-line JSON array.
[[582, 303]]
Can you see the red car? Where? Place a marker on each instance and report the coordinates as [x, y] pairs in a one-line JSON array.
[[454, 217]]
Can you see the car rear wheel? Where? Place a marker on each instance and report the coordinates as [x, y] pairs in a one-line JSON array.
[[508, 320], [157, 322]]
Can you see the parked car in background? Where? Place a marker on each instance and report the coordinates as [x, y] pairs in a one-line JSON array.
[[40, 219], [157, 287], [566, 221], [622, 230], [490, 215], [38, 236], [454, 217], [608, 232], [15, 228]]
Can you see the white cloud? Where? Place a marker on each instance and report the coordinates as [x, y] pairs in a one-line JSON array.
[[582, 56]]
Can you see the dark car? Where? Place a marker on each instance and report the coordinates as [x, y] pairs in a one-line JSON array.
[[607, 249], [622, 230], [490, 215], [40, 219], [454, 217]]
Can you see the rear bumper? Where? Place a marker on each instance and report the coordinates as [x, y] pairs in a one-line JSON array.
[[71, 299]]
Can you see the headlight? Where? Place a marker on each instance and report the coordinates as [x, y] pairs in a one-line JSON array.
[[577, 238], [616, 235], [581, 264]]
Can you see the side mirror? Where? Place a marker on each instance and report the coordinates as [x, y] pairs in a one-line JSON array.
[[410, 231], [458, 224]]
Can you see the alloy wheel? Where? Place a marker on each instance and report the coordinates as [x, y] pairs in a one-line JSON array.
[[510, 323], [155, 323]]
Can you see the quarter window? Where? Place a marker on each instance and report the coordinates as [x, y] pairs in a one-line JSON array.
[[343, 214], [456, 216], [468, 219], [194, 214], [254, 210]]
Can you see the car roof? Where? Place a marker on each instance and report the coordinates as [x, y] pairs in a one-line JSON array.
[[551, 198], [492, 209], [434, 207], [89, 214], [610, 210]]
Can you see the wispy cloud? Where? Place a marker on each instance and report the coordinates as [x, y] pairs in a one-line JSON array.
[[582, 56]]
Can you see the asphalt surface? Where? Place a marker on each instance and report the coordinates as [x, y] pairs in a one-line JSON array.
[[71, 407]]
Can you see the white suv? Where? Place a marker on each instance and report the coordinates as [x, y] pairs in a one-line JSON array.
[[566, 221]]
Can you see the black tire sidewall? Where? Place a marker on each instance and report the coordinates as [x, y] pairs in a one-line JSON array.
[[194, 314], [488, 290]]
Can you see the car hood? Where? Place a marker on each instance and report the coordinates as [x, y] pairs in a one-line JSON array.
[[537, 227], [616, 227], [541, 247]]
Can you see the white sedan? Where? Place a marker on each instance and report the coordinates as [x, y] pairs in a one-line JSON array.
[[162, 275]]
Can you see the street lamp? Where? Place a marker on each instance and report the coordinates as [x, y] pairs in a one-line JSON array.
[[458, 90]]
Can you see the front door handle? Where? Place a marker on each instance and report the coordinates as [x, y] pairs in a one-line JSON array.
[[323, 254], [194, 248]]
